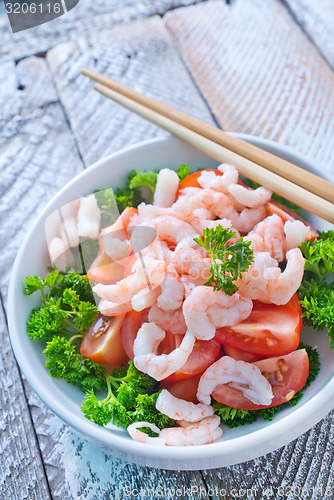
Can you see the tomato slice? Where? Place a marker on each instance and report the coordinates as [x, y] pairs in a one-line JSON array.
[[240, 355], [103, 342], [286, 374], [204, 353], [104, 270], [183, 389], [270, 330], [286, 214]]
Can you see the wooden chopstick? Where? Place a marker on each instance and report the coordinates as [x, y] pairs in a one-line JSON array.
[[283, 187], [283, 168]]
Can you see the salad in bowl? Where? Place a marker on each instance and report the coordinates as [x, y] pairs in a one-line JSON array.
[[176, 304]]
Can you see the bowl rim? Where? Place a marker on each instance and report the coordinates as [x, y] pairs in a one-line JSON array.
[[302, 418]]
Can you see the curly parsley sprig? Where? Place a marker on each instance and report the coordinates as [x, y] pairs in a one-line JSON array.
[[228, 261], [130, 398], [316, 292]]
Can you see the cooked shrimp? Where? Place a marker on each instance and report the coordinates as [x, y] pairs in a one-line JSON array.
[[172, 291], [245, 220], [116, 248], [179, 409], [296, 233], [108, 308], [201, 219], [246, 377], [68, 231], [268, 236], [264, 280], [145, 298], [191, 258], [250, 197], [161, 366], [171, 229], [150, 275], [219, 205], [89, 217], [204, 432], [205, 310], [190, 284], [147, 211], [170, 321], [142, 437], [60, 254], [166, 188], [209, 179]]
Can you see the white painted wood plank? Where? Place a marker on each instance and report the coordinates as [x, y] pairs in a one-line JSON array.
[[32, 169], [22, 474], [317, 19], [259, 73], [86, 16], [139, 55]]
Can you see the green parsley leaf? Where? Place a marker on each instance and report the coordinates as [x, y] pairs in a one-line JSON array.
[[228, 261], [183, 171], [64, 362]]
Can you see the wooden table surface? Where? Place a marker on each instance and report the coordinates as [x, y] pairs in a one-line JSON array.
[[253, 66]]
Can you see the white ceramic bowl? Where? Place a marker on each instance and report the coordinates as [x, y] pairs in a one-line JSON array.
[[237, 445]]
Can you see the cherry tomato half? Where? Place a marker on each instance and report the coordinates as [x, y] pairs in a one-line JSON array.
[[270, 330], [103, 343], [286, 374]]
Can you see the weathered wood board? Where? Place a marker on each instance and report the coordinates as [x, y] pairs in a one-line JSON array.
[[32, 169], [22, 473], [37, 152], [259, 73], [317, 19], [86, 16], [139, 55]]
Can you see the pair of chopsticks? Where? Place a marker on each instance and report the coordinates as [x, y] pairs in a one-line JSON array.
[[286, 179]]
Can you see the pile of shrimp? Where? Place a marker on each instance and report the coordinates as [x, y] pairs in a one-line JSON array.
[[167, 276]]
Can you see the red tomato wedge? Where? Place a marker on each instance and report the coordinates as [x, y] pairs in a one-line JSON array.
[[131, 324], [104, 270], [270, 330], [183, 389], [240, 355], [204, 353], [103, 341], [286, 374], [286, 214]]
